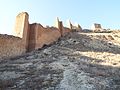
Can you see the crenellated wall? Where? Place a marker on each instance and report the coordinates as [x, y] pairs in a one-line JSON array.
[[75, 27], [28, 37], [40, 36]]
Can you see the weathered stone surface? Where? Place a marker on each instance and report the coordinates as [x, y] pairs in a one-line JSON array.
[[31, 36], [59, 25], [21, 25], [40, 36], [78, 61], [11, 46], [22, 28]]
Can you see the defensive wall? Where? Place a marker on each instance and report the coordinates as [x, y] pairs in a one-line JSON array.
[[28, 37]]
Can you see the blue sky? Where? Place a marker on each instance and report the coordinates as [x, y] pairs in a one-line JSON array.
[[84, 12]]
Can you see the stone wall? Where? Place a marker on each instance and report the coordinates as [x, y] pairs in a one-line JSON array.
[[22, 27], [63, 30], [10, 46], [66, 31], [40, 36], [29, 36], [75, 27]]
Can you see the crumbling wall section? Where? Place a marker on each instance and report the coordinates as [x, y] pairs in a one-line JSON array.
[[63, 30], [29, 36], [10, 46], [32, 37], [75, 27], [46, 36], [66, 31], [59, 25], [40, 36]]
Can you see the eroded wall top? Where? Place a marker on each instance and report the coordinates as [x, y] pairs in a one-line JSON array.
[[20, 24]]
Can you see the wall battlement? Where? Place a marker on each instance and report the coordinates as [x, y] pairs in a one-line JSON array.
[[28, 37]]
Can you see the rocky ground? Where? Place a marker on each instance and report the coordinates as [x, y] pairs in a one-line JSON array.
[[78, 61]]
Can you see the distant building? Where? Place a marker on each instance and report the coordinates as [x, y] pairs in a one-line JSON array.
[[96, 27]]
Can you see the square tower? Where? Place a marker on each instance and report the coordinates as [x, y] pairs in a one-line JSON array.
[[22, 27]]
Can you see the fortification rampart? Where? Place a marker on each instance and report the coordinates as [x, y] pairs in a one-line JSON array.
[[28, 37], [40, 36], [11, 46]]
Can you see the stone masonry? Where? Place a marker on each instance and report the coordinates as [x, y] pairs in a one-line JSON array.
[[22, 27], [32, 36]]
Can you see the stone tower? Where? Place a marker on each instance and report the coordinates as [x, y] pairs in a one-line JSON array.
[[22, 27], [96, 27]]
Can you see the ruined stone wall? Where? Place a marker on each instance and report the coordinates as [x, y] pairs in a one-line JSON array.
[[76, 27], [10, 46], [66, 31], [29, 36], [59, 25], [46, 36], [40, 36], [63, 30], [32, 37]]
